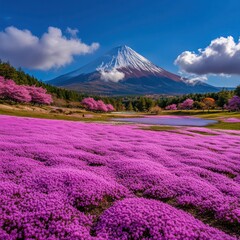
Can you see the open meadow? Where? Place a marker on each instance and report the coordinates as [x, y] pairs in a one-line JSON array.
[[82, 180]]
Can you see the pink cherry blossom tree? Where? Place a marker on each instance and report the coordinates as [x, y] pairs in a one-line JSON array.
[[171, 107], [101, 106], [89, 103], [10, 90], [110, 107], [187, 104], [93, 105], [21, 93], [2, 86], [39, 95]]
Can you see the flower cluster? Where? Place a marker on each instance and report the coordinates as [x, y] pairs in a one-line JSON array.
[[171, 107], [233, 104], [187, 104], [21, 93], [91, 181], [94, 105], [150, 219], [231, 120]]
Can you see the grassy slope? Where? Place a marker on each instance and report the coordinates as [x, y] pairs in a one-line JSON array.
[[47, 115]]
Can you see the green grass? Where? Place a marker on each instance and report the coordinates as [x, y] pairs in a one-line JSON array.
[[225, 126], [203, 133], [159, 128], [32, 114]]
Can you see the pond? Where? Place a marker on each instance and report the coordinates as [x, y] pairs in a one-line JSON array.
[[168, 120]]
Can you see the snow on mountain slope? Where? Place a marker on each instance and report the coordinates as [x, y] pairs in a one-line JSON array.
[[125, 57], [117, 58]]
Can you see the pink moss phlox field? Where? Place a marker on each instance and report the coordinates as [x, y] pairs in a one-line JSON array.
[[21, 93], [72, 180], [231, 120], [150, 219]]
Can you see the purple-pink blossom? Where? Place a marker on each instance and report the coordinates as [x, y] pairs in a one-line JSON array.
[[187, 104], [99, 105], [22, 93], [234, 104], [74, 180], [171, 107]]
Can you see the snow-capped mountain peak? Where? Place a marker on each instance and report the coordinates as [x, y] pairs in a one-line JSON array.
[[125, 57], [117, 59]]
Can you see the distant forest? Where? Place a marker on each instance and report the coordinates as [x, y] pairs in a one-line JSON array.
[[130, 103]]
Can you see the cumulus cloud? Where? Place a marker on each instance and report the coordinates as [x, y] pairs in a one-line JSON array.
[[222, 56], [113, 75], [51, 50]]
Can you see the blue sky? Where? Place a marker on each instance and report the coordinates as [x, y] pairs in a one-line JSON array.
[[159, 30]]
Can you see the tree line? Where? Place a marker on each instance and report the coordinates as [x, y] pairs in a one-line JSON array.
[[126, 103]]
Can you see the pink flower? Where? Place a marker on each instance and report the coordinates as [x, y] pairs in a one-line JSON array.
[[21, 93], [171, 107], [94, 105]]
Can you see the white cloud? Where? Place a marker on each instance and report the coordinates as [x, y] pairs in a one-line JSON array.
[[193, 79], [72, 31], [52, 50], [222, 56], [113, 75]]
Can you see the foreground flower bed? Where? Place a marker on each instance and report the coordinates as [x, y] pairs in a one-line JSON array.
[[71, 180]]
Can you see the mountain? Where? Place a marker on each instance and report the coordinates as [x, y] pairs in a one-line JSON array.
[[122, 71]]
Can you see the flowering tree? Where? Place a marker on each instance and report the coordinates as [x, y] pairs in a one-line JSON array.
[[110, 107], [171, 107], [10, 90], [89, 103], [209, 102], [39, 95], [187, 104], [2, 85], [233, 104], [21, 93], [99, 105]]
